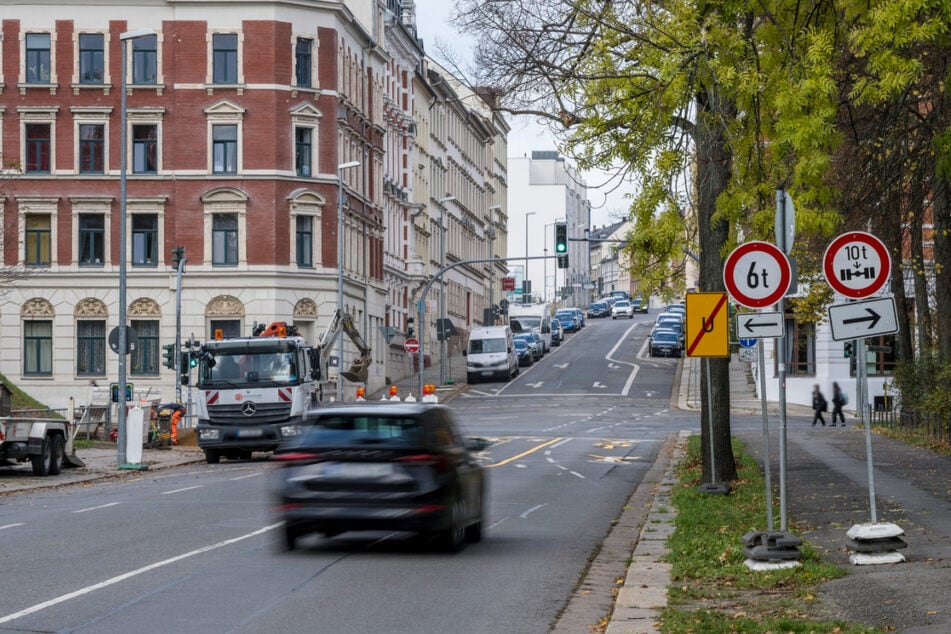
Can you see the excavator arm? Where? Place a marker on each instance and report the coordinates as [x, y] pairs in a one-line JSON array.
[[360, 368]]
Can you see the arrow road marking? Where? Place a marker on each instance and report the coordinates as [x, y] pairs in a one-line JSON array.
[[598, 384], [561, 366], [873, 318], [536, 385]]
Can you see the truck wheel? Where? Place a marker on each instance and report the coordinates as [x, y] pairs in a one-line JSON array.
[[41, 462], [57, 449], [212, 456]]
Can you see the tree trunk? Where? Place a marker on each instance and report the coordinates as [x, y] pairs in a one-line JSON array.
[[713, 174], [922, 309], [941, 211]]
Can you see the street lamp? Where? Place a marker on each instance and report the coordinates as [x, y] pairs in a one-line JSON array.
[[340, 168], [123, 157], [442, 292], [525, 278]]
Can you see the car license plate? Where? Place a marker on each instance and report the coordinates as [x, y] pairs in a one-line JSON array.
[[249, 433], [356, 470]]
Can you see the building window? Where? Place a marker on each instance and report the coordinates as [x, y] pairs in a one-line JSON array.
[[144, 60], [37, 148], [91, 347], [305, 241], [224, 139], [91, 58], [302, 57], [37, 58], [145, 357], [799, 348], [230, 328], [144, 149], [91, 148], [37, 240], [91, 239], [879, 356], [144, 239], [38, 348], [224, 240], [225, 58], [303, 151]]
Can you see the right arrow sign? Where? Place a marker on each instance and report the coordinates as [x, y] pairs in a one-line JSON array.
[[759, 325], [858, 320]]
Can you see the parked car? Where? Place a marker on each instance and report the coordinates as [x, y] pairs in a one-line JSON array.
[[580, 314], [665, 316], [382, 466], [671, 326], [666, 343], [598, 309], [622, 308], [680, 309], [524, 352], [568, 320], [535, 342], [557, 333], [641, 304]]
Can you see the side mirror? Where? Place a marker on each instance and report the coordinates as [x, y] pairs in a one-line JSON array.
[[465, 352]]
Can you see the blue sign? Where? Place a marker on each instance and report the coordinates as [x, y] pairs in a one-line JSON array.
[[748, 343]]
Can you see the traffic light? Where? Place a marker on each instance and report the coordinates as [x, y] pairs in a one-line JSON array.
[[848, 349], [178, 254], [409, 326], [169, 350], [561, 244]]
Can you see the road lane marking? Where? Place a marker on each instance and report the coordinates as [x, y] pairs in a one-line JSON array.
[[6, 526], [197, 486], [250, 475], [532, 510], [96, 508], [133, 573], [523, 454]]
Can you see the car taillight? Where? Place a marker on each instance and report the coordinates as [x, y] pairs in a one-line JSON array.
[[293, 457], [438, 462]]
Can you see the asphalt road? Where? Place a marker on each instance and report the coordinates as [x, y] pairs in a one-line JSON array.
[[195, 548]]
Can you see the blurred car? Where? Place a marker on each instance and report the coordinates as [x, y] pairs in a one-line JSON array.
[[640, 304], [580, 314], [622, 308], [524, 352], [598, 309], [381, 467], [568, 320], [666, 343], [535, 342], [671, 326], [680, 309], [557, 333]]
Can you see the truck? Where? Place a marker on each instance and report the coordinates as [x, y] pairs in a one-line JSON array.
[[46, 442], [532, 318], [255, 392]]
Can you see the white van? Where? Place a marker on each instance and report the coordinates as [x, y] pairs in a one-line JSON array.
[[532, 318], [491, 354]]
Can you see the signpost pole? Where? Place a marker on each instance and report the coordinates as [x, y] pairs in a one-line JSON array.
[[781, 357], [766, 460]]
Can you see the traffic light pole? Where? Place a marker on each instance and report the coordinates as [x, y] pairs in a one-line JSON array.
[[179, 255]]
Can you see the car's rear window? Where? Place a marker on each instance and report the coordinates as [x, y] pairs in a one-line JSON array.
[[370, 429], [666, 337]]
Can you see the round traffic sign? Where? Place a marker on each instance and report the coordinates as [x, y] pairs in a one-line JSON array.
[[411, 345], [856, 264], [747, 343], [757, 274]]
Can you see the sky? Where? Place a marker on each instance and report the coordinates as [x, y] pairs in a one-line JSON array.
[[608, 203]]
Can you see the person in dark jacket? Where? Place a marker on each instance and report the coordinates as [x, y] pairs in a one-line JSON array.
[[819, 405], [838, 400]]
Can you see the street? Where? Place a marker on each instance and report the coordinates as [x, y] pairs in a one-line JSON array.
[[195, 548]]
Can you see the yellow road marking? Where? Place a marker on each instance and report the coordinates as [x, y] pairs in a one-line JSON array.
[[523, 454]]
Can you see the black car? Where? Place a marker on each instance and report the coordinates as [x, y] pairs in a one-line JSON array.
[[382, 467], [598, 309], [666, 343], [524, 352]]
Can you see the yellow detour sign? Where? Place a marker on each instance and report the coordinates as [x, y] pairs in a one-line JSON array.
[[707, 333]]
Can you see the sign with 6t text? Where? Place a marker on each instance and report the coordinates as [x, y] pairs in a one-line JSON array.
[[856, 264], [757, 274]]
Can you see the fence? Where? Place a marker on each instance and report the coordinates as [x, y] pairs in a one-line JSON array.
[[933, 426]]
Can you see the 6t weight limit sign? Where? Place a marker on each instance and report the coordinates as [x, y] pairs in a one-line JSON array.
[[757, 274]]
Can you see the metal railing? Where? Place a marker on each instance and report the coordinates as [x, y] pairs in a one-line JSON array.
[[934, 426]]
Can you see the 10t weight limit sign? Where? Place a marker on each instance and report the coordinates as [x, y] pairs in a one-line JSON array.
[[757, 274]]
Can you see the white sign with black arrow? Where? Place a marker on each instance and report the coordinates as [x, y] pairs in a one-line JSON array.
[[858, 320], [759, 325]]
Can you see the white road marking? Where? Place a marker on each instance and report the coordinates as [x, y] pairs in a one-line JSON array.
[[133, 573], [575, 473], [560, 443], [560, 366], [536, 385], [197, 486], [491, 526], [599, 385], [5, 526], [532, 510], [250, 475], [96, 508]]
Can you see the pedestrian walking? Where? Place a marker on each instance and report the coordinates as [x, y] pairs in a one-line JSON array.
[[838, 400], [819, 405]]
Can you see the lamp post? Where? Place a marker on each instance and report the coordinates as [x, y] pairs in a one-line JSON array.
[[123, 157], [525, 279], [340, 168], [442, 292]]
